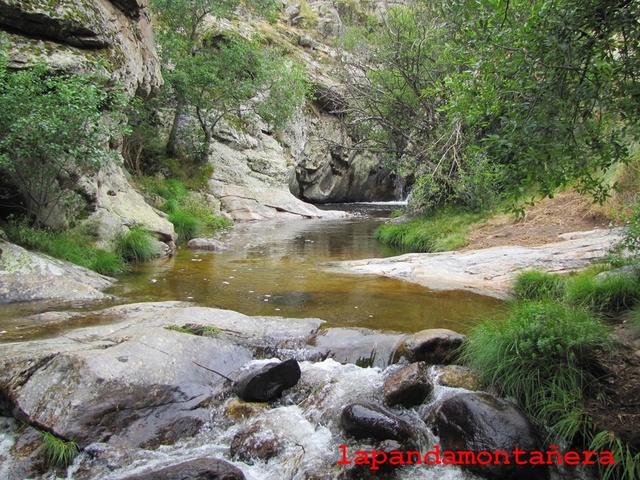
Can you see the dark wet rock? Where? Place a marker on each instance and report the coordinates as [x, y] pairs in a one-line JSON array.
[[269, 382], [480, 422], [254, 441], [367, 420], [458, 376], [408, 387], [198, 469], [207, 244], [434, 346], [360, 346]]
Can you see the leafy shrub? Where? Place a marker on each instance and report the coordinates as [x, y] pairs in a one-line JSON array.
[[136, 245], [540, 355]]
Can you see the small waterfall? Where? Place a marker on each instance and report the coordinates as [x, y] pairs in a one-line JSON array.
[[303, 427]]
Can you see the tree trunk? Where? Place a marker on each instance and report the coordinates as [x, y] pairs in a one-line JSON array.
[[170, 149]]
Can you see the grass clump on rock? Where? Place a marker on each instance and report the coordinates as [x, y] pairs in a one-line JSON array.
[[59, 453], [189, 213], [136, 245], [73, 246]]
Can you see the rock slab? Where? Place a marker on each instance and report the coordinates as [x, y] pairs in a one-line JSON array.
[[28, 276]]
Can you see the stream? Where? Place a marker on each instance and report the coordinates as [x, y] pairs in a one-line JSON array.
[[275, 268]]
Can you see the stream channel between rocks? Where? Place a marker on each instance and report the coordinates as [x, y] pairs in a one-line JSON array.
[[274, 268]]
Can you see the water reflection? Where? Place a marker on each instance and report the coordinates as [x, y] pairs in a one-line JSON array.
[[272, 269]]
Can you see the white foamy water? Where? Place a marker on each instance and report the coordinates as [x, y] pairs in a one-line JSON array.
[[305, 424]]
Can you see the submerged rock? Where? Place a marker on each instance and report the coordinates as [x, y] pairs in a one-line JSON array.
[[434, 346], [367, 420], [408, 387], [208, 244], [269, 382], [198, 469], [254, 441], [479, 422]]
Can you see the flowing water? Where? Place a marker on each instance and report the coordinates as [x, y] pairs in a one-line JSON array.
[[275, 268]]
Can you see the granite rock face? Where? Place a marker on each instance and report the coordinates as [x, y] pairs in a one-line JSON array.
[[72, 35], [29, 276]]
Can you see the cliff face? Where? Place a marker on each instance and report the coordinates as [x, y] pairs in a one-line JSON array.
[[76, 36], [73, 35]]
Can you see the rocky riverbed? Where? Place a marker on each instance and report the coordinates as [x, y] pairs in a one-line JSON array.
[[168, 388]]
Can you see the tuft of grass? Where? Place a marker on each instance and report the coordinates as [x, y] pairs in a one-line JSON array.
[[73, 246], [606, 296], [181, 329], [627, 462], [136, 245], [445, 230], [59, 453], [540, 355], [186, 225], [189, 212], [537, 285]]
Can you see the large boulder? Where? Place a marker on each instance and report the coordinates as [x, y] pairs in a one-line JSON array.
[[265, 203], [137, 386], [327, 170], [367, 420], [28, 276], [133, 382], [268, 382], [77, 35], [434, 346], [479, 422]]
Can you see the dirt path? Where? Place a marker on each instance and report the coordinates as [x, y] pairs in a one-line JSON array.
[[567, 212]]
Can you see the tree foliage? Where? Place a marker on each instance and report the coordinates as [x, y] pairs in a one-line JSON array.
[[217, 74], [54, 130], [508, 96]]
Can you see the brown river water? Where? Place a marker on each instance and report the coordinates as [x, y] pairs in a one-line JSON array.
[[275, 268]]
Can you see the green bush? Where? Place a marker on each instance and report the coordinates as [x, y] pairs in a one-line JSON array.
[[445, 229], [540, 355], [537, 285], [136, 245]]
